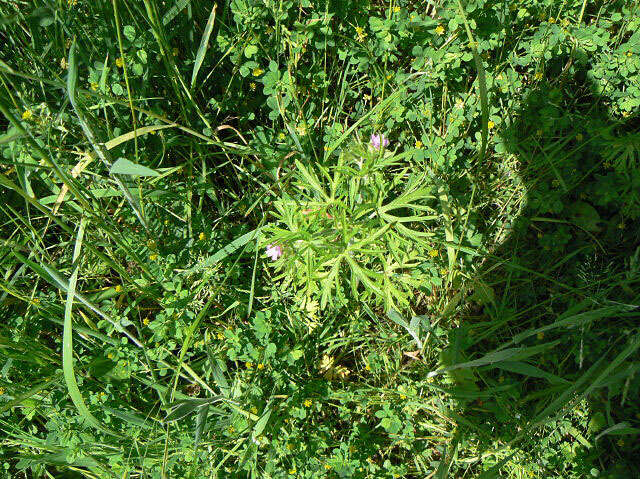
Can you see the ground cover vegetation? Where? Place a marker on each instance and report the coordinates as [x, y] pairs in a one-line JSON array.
[[319, 239]]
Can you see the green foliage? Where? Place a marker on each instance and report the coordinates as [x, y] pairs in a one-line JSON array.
[[460, 303]]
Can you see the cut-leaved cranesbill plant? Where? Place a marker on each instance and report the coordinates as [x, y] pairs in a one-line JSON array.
[[359, 228]]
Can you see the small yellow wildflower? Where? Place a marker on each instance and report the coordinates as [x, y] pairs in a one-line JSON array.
[[118, 288], [202, 237], [552, 20], [269, 30], [153, 257], [440, 30], [308, 403], [94, 86], [396, 9], [145, 321], [290, 446], [389, 76], [260, 366], [579, 137], [119, 62], [257, 71], [248, 365], [36, 301], [402, 396], [540, 336], [367, 367], [359, 31], [629, 53], [282, 136], [327, 466], [366, 97], [444, 271], [27, 115], [418, 144], [254, 410], [292, 470], [1, 391], [231, 429], [491, 124], [110, 355], [433, 253], [63, 63], [220, 336], [252, 86], [538, 76]]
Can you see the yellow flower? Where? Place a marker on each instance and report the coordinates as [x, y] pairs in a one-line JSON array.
[[248, 365], [440, 30], [252, 86], [290, 446], [36, 301], [63, 63], [359, 31], [27, 115], [292, 470], [327, 466], [418, 144], [145, 321], [366, 97], [260, 366], [94, 86], [308, 403], [540, 336], [402, 396], [629, 53], [153, 257], [282, 136], [257, 71], [119, 62], [538, 76], [443, 271], [1, 391], [396, 9], [367, 367], [118, 288], [269, 30], [579, 137], [231, 429], [110, 356], [433, 253], [202, 237], [491, 124], [220, 336], [254, 410], [552, 20]]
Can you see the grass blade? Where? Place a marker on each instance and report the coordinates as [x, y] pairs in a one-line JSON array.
[[67, 342], [204, 45]]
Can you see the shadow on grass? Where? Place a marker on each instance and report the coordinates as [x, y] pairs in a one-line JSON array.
[[563, 284]]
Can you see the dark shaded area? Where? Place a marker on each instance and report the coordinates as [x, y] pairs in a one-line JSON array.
[[569, 254]]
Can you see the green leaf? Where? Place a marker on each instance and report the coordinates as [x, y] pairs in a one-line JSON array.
[[129, 32], [122, 166], [204, 45], [250, 50]]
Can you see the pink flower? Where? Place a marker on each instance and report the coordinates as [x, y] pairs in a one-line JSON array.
[[379, 141], [274, 251]]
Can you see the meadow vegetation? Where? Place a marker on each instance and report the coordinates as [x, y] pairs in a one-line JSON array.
[[319, 239]]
